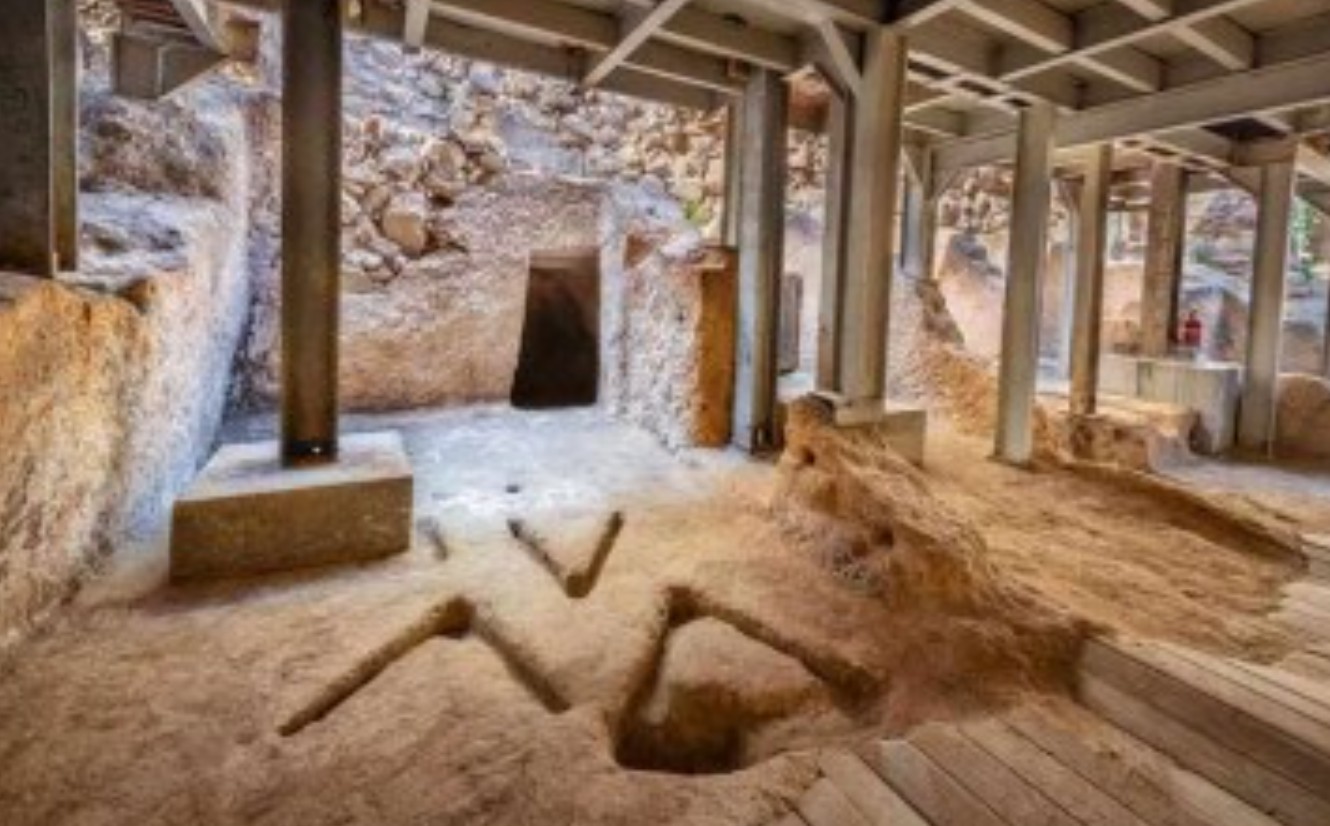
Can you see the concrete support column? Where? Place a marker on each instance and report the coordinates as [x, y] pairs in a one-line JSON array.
[[909, 218], [64, 130], [729, 227], [869, 258], [1088, 302], [311, 227], [919, 228], [831, 315], [761, 231], [1325, 344], [1163, 259], [1256, 420], [1032, 184], [35, 97], [1070, 192], [926, 265]]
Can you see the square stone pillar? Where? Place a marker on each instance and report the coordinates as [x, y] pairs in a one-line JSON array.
[[1088, 286], [38, 108], [1265, 318], [761, 231], [1165, 239], [1019, 369]]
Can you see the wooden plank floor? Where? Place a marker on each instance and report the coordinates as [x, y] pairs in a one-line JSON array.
[[1306, 609], [1262, 736], [1049, 763], [1316, 547], [1164, 736]]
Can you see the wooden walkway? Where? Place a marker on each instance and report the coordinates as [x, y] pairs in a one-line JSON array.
[[1162, 736]]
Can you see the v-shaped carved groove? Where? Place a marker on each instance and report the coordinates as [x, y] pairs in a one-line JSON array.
[[577, 581]]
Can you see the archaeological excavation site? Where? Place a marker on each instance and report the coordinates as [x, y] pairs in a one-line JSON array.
[[671, 412]]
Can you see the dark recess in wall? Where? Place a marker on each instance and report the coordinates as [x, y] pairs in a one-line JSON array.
[[559, 365]]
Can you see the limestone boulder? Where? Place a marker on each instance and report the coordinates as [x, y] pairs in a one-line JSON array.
[[404, 223], [1303, 418], [182, 147], [445, 159]]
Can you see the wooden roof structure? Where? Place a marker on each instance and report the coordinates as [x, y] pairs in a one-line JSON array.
[[1206, 83], [186, 18]]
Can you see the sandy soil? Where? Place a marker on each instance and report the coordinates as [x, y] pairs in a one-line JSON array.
[[593, 630], [467, 681], [1127, 558], [1296, 493]]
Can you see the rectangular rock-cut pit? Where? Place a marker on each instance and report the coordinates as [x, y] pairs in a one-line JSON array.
[[248, 515]]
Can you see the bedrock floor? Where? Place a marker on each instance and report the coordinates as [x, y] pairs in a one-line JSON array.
[[588, 629]]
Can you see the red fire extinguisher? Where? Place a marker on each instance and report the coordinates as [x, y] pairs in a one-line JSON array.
[[1192, 331]]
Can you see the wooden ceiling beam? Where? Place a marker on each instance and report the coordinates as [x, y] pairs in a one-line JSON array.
[[1029, 21], [636, 30], [1104, 27], [660, 83], [1270, 89], [732, 38], [1221, 40], [700, 31]]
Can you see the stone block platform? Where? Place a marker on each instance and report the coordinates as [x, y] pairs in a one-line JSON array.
[[1212, 390], [248, 515], [904, 427]]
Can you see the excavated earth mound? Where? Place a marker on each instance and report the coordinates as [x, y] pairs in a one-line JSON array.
[[865, 511]]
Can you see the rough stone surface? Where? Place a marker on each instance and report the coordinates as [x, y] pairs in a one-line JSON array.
[[673, 355], [1129, 434], [1303, 417], [876, 520], [717, 688], [111, 401], [404, 224], [113, 381]]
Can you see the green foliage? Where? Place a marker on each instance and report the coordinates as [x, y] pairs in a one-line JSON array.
[[696, 213]]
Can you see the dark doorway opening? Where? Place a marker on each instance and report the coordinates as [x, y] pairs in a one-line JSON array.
[[559, 364]]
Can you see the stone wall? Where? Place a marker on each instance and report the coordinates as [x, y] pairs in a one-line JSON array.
[[114, 380], [447, 327], [672, 357], [456, 175]]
